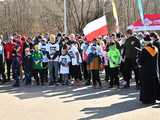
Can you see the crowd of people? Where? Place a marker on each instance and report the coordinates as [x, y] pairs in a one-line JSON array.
[[72, 60]]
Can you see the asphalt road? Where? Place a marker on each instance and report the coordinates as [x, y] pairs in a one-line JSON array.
[[73, 103]]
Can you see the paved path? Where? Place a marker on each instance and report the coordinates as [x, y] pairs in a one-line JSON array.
[[72, 103]]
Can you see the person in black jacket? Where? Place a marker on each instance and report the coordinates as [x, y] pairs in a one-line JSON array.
[[2, 63], [28, 66], [131, 54], [16, 66], [149, 75], [156, 42]]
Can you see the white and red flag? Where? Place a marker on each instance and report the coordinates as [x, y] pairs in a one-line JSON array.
[[96, 28]]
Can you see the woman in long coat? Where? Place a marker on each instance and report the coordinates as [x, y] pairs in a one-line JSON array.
[[149, 74]]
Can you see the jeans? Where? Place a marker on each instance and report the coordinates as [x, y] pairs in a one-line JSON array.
[[27, 78], [65, 78], [53, 71], [16, 71]]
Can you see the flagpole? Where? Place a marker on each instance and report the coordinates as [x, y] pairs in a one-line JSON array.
[[141, 11], [115, 14], [140, 8], [65, 17]]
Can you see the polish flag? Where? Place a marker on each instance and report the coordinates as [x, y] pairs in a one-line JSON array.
[[96, 28]]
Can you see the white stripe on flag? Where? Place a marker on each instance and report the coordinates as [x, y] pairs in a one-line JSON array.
[[94, 25]]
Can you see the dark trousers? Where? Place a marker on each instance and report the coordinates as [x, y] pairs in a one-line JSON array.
[[8, 63], [75, 72], [86, 73], [16, 72], [38, 76], [28, 76], [28, 80], [2, 72], [106, 68], [64, 78], [45, 71], [96, 78], [130, 66], [114, 78]]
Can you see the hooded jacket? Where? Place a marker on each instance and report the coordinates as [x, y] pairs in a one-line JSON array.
[[114, 56], [37, 58]]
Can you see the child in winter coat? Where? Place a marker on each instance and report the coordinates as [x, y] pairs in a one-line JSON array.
[[94, 61], [28, 66], [114, 62], [37, 65]]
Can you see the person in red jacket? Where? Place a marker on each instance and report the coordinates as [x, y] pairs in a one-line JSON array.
[[20, 42], [8, 51]]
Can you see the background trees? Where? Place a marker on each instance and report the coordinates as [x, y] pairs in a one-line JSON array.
[[26, 16]]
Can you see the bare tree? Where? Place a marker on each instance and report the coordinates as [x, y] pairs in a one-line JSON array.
[[26, 16]]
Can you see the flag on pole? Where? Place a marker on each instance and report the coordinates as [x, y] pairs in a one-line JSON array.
[[115, 15], [96, 28], [141, 12]]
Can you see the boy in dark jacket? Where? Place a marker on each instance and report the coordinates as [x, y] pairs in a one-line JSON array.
[[27, 66], [16, 66]]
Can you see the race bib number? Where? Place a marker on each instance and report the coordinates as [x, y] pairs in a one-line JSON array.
[[71, 54], [64, 61], [43, 49], [52, 50]]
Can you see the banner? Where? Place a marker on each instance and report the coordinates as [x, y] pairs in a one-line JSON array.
[[152, 22]]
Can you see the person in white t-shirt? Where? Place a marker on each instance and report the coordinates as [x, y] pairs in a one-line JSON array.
[[44, 49], [64, 61], [76, 60], [53, 48]]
